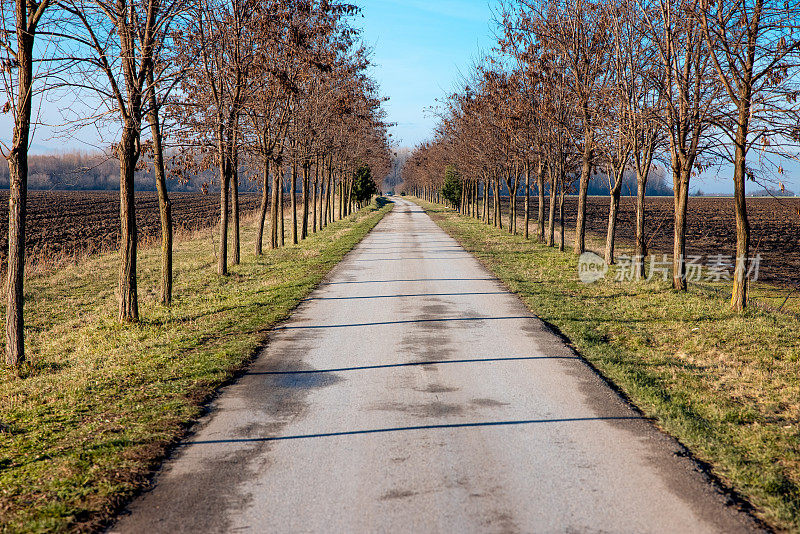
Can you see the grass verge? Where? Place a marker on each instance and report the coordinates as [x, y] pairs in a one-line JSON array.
[[727, 385], [100, 404]]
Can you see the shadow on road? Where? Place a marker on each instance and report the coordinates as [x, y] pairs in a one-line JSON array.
[[409, 295], [419, 427], [409, 364], [415, 280], [409, 321]]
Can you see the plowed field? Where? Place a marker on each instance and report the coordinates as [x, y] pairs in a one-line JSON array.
[[81, 222]]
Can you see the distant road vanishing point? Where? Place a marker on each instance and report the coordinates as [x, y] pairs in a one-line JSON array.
[[411, 392]]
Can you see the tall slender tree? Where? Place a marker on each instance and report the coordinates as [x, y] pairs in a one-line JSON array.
[[119, 39], [21, 20], [753, 46]]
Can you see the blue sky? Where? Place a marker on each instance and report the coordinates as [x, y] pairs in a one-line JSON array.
[[420, 49]]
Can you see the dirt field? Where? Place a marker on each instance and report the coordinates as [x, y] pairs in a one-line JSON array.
[[774, 227], [77, 222]]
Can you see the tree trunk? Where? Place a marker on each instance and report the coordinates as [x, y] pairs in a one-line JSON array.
[[540, 187], [475, 187], [331, 208], [224, 178], [164, 204], [281, 211], [18, 195], [314, 197], [275, 208], [512, 203], [306, 198], [323, 191], [527, 198], [513, 197], [488, 196], [349, 197], [345, 197], [580, 225], [551, 219], [641, 244], [498, 208], [331, 192], [327, 179], [493, 215], [17, 208], [613, 209], [485, 204], [644, 159], [562, 194], [293, 196], [127, 152], [262, 215], [740, 282], [681, 191], [234, 181], [341, 198]]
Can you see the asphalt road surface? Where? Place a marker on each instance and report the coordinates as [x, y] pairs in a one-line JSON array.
[[411, 392]]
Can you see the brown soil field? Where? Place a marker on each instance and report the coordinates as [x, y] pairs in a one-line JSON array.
[[774, 228], [74, 223]]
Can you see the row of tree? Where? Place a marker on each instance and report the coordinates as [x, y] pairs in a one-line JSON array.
[[579, 88], [273, 89]]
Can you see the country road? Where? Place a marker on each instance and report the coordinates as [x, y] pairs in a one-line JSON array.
[[411, 392]]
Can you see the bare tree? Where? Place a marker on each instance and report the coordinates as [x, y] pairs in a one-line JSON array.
[[638, 78], [753, 44], [164, 204], [221, 36], [120, 38], [689, 97], [579, 32], [616, 151], [164, 76], [18, 77]]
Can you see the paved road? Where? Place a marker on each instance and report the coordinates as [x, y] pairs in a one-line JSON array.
[[412, 393]]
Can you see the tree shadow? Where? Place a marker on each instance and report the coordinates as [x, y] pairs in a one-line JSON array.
[[411, 364], [410, 280], [411, 295], [444, 426], [382, 201], [409, 321]]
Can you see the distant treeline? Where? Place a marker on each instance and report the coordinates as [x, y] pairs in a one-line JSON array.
[[657, 184], [772, 193], [80, 171], [759, 193]]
